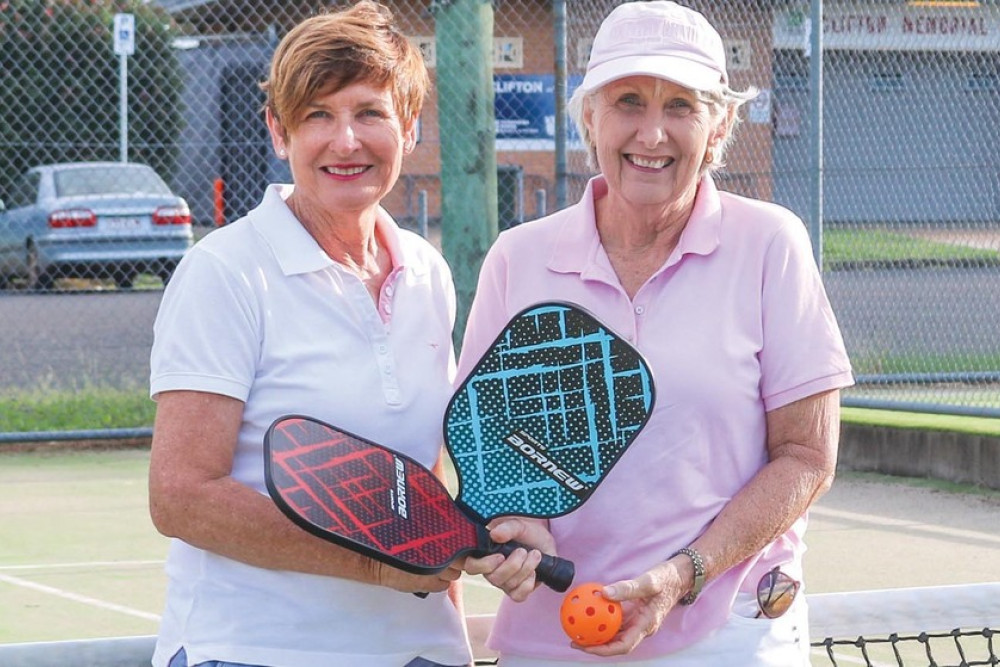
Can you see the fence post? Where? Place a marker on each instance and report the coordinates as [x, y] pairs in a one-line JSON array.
[[816, 91], [464, 34], [422, 213], [559, 25]]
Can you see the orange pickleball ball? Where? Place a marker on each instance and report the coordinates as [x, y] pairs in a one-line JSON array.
[[587, 617]]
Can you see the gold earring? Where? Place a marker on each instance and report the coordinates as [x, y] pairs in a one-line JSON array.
[[709, 156]]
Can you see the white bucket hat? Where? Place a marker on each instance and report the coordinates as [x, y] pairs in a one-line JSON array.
[[661, 39]]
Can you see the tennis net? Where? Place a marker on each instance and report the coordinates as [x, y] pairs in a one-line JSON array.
[[939, 626]]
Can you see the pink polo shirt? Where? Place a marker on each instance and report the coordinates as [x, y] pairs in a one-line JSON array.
[[735, 323]]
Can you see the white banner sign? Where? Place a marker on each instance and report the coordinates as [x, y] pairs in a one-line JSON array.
[[893, 28]]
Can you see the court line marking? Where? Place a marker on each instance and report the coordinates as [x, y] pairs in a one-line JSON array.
[[467, 580], [100, 563], [829, 513], [83, 599]]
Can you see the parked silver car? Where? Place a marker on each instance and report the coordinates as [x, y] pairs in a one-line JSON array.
[[91, 220]]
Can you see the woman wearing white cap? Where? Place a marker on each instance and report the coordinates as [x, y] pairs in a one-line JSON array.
[[698, 529]]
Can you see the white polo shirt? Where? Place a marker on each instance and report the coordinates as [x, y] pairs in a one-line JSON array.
[[734, 324], [259, 312]]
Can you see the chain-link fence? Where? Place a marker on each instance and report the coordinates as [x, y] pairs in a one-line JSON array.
[[908, 193]]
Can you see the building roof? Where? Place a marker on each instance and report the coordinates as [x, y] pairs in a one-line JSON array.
[[174, 6]]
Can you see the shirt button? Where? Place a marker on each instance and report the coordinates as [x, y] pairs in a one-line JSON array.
[[382, 349], [639, 310], [388, 290]]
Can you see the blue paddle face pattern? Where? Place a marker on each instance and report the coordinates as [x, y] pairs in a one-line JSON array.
[[545, 414]]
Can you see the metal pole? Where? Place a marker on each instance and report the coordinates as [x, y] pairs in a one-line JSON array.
[[816, 87], [422, 213], [559, 26], [123, 107], [540, 205]]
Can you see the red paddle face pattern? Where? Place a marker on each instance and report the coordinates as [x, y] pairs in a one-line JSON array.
[[342, 486]]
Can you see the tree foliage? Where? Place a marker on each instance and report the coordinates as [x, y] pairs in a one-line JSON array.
[[59, 85]]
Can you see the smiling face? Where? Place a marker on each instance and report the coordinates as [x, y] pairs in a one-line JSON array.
[[650, 137], [345, 151]]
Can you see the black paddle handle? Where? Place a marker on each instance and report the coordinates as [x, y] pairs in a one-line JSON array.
[[555, 572]]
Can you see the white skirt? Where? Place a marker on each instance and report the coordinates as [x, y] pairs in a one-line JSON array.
[[743, 640]]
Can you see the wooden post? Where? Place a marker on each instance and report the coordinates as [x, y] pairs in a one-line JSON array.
[[464, 32]]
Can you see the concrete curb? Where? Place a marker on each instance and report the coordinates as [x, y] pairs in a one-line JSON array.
[[945, 455], [953, 457]]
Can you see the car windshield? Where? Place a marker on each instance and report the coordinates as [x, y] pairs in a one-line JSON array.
[[110, 180]]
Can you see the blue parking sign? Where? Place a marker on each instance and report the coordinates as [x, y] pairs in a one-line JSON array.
[[124, 34]]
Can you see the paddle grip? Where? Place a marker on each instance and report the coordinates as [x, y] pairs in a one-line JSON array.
[[556, 573]]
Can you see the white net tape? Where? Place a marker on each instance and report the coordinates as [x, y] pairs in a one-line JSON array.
[[114, 652], [882, 612]]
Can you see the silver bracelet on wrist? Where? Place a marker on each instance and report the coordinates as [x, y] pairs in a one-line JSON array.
[[699, 574]]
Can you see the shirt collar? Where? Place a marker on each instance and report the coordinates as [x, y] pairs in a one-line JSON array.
[[578, 246], [295, 248]]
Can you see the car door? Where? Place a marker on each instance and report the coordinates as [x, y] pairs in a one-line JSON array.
[[15, 223]]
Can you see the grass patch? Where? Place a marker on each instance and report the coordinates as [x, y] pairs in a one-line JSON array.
[[143, 281], [111, 408], [925, 363], [71, 411], [842, 246], [983, 426]]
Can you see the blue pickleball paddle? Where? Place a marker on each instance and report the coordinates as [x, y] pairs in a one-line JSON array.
[[545, 414]]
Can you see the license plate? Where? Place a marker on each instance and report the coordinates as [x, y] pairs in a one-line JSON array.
[[123, 224]]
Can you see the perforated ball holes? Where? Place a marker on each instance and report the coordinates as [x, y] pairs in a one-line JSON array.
[[587, 618]]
